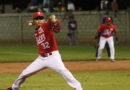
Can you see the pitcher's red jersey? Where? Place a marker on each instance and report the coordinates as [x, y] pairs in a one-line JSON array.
[[107, 31], [45, 38]]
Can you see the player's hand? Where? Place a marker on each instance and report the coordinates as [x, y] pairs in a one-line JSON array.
[[53, 18], [30, 23], [96, 45]]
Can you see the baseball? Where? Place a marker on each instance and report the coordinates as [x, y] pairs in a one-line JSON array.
[[30, 24], [53, 18]]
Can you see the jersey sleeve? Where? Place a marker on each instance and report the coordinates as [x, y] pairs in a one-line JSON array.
[[56, 27], [100, 29]]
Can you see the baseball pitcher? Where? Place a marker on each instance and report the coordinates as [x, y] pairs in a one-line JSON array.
[[49, 55]]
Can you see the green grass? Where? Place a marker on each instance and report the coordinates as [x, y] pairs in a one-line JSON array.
[[16, 53], [22, 53], [105, 80]]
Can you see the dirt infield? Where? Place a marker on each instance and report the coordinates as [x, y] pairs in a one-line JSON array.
[[73, 66]]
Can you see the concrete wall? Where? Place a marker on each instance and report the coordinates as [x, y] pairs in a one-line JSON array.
[[14, 28]]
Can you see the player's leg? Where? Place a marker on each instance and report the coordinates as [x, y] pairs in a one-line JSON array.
[[112, 50], [102, 42], [57, 65], [75, 38], [70, 38], [107, 49], [97, 51], [36, 66], [73, 43]]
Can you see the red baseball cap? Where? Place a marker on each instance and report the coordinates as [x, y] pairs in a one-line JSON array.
[[38, 14], [108, 19]]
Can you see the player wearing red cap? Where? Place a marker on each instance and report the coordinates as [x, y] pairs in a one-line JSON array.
[[107, 30], [48, 52]]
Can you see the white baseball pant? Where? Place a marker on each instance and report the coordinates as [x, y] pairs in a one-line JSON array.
[[52, 61], [102, 43]]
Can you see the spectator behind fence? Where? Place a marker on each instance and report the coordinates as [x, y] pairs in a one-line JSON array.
[[32, 6], [105, 6], [72, 34], [50, 5], [46, 5], [70, 6], [114, 6], [63, 8], [70, 9]]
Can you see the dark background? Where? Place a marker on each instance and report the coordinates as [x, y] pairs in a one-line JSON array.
[[84, 4], [92, 4]]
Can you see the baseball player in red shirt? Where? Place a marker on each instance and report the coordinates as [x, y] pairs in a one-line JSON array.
[[107, 30], [48, 52]]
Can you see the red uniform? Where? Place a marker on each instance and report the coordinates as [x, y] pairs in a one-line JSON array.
[[49, 55], [107, 31], [45, 38]]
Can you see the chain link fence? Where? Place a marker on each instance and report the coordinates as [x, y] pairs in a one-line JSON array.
[[14, 28]]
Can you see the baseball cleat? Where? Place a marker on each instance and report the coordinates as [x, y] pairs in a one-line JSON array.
[[97, 59], [9, 88], [78, 89], [112, 60]]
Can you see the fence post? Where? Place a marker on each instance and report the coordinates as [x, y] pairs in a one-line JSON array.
[[21, 29], [128, 26]]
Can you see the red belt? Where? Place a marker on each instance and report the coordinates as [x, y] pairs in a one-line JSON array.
[[46, 54]]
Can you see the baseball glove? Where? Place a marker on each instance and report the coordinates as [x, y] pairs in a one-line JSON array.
[[69, 34]]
